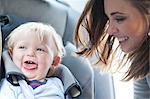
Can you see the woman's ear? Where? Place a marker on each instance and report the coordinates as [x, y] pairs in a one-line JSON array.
[[56, 61]]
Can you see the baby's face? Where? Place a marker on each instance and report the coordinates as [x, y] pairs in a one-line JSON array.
[[32, 57]]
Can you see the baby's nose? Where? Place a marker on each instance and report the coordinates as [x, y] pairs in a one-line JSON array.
[[31, 52]]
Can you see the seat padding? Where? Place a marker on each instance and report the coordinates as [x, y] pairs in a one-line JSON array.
[[81, 69], [51, 12]]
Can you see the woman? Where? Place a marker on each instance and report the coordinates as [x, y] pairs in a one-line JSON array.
[[125, 21]]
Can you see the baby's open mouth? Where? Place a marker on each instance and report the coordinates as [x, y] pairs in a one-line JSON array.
[[30, 65], [29, 62]]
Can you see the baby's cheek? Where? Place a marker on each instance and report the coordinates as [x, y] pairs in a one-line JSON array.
[[16, 59]]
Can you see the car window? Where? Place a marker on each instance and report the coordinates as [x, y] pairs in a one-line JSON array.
[[77, 5]]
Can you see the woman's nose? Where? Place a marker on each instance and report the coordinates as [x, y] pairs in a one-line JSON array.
[[111, 29]]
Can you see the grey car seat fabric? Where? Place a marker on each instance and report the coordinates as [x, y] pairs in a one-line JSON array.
[[10, 22], [0, 51], [81, 69], [38, 10], [63, 18]]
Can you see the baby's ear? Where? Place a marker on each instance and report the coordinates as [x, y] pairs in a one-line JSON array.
[[10, 51], [56, 61]]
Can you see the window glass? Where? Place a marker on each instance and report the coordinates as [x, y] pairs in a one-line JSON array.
[[78, 5]]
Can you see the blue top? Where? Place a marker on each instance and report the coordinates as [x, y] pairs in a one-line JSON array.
[[35, 83], [53, 89]]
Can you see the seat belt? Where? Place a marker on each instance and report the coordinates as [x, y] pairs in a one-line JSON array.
[[0, 51], [0, 42], [3, 21]]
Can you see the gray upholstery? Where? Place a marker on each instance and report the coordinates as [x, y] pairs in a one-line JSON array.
[[38, 10], [71, 23], [82, 71], [61, 17], [1, 68], [71, 85]]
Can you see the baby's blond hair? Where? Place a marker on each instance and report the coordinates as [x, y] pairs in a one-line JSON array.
[[43, 31]]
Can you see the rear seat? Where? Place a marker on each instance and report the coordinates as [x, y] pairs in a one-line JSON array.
[[63, 18]]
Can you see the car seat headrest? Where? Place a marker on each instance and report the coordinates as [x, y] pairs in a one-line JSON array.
[[4, 19], [71, 85], [10, 22]]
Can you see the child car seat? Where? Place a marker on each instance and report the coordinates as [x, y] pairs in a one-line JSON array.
[[13, 75], [71, 85]]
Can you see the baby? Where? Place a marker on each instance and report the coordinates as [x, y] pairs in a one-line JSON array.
[[36, 49]]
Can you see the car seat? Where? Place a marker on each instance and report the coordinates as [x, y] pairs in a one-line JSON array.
[[11, 72]]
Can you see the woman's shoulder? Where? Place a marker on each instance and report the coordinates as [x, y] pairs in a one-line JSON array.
[[142, 83], [148, 80]]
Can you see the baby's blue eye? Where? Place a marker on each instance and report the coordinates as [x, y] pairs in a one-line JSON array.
[[40, 49], [21, 47]]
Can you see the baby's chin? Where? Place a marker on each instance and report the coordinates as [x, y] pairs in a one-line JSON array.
[[35, 78], [32, 76]]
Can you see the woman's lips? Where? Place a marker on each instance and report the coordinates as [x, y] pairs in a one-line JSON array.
[[122, 39]]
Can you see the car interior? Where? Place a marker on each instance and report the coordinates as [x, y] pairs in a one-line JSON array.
[[88, 82]]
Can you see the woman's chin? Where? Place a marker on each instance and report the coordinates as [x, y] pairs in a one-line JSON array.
[[128, 50]]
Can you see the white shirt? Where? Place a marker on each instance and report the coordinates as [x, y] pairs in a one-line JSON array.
[[53, 89]]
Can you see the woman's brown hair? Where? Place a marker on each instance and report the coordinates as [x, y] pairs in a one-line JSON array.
[[94, 20]]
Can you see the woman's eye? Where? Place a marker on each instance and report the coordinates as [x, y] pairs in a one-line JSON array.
[[120, 19]]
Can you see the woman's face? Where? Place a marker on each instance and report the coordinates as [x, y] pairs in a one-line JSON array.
[[126, 24]]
